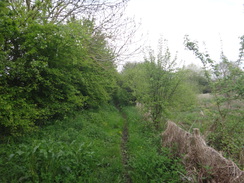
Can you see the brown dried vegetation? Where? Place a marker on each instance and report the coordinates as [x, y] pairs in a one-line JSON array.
[[203, 163]]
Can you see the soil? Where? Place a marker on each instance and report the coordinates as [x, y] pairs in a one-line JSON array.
[[124, 150]]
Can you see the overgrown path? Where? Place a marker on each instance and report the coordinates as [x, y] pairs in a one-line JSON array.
[[124, 150]]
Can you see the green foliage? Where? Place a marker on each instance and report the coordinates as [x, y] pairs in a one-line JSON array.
[[129, 90], [226, 137], [87, 148], [148, 162], [17, 115], [81, 149], [158, 86], [153, 167], [49, 161], [225, 77], [185, 87], [229, 136], [48, 71], [196, 76]]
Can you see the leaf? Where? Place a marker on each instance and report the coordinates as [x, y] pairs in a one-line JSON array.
[[35, 148], [19, 152], [11, 156]]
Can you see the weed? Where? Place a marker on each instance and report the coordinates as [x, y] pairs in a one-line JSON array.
[[148, 161], [81, 149]]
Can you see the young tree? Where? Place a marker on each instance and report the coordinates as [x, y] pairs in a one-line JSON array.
[[162, 83], [157, 84]]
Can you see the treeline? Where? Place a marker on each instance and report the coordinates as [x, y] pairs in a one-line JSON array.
[[50, 68]]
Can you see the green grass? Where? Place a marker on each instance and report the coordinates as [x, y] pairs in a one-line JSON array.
[[148, 161], [87, 148], [83, 149]]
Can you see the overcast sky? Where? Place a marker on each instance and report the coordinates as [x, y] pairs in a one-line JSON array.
[[203, 20]]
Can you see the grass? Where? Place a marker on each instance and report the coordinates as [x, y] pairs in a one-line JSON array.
[[83, 149], [87, 148], [148, 161]]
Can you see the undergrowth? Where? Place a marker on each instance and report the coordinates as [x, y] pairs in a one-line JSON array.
[[225, 135], [83, 149], [148, 161], [87, 148]]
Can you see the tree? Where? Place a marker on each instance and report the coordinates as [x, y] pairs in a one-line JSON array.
[[49, 70], [162, 83], [157, 84], [107, 16], [60, 11]]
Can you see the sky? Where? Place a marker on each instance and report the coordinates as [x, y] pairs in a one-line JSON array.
[[217, 23]]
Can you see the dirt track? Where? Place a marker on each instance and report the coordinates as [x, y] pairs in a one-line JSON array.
[[125, 157]]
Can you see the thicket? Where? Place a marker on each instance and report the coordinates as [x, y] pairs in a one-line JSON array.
[[196, 77], [49, 68]]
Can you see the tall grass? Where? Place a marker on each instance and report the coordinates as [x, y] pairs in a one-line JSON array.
[[83, 149], [87, 148], [148, 161]]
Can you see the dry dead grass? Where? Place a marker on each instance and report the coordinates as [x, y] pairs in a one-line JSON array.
[[203, 163], [205, 96]]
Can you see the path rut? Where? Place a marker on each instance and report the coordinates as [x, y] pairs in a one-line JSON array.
[[124, 150]]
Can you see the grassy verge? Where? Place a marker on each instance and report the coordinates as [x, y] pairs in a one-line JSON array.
[[148, 162], [83, 149]]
